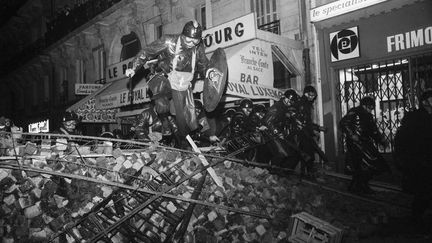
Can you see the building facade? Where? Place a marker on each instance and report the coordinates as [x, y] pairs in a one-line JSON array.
[[57, 54], [378, 48], [77, 43]]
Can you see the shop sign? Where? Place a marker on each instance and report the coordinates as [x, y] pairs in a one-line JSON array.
[[340, 7], [86, 89], [409, 39], [89, 113], [38, 127], [233, 32], [253, 91], [118, 70], [250, 71], [123, 98], [344, 44]]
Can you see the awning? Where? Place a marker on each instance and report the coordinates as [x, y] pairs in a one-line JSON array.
[[86, 109], [118, 94]]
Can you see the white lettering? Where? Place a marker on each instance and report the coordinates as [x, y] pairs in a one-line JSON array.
[[428, 35], [390, 43], [416, 38], [410, 39]]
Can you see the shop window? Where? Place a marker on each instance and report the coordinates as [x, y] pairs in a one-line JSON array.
[[283, 79], [395, 85], [131, 46], [266, 14], [200, 15], [99, 64], [285, 73]]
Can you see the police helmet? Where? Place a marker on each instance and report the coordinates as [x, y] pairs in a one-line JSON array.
[[70, 116], [192, 29], [367, 101], [246, 103], [237, 121], [259, 108], [309, 89], [229, 112], [291, 95]]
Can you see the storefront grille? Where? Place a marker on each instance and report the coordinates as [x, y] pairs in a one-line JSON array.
[[395, 84]]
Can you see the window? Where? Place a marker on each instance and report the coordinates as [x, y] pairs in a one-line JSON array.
[[99, 64], [46, 88], [131, 46], [79, 72], [265, 10], [285, 72], [159, 31], [63, 85], [200, 16]]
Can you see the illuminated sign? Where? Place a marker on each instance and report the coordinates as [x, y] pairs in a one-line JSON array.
[[38, 127]]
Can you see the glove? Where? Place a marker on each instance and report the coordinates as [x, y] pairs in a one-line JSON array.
[[129, 72], [214, 138]]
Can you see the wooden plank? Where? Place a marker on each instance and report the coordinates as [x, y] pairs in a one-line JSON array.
[[210, 170]]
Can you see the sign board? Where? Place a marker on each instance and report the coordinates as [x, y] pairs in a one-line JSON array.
[[38, 127], [86, 89], [250, 71], [344, 44], [410, 39], [117, 71], [340, 7], [89, 113], [120, 98], [233, 32]]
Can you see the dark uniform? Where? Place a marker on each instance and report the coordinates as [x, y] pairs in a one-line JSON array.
[[223, 129], [361, 134], [413, 149], [180, 57], [307, 131], [279, 121], [69, 123], [149, 121]]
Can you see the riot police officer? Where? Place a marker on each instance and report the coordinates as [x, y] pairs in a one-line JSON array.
[[308, 129], [279, 120], [361, 133], [180, 57], [69, 122]]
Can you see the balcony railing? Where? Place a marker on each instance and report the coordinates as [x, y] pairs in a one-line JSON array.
[[273, 27]]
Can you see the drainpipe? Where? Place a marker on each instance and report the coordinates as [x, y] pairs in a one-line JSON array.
[[306, 59], [305, 38], [209, 15]]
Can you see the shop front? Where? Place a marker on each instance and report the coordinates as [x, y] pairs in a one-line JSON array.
[[383, 50], [255, 59], [93, 119]]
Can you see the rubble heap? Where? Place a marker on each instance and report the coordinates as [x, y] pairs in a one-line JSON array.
[[36, 206]]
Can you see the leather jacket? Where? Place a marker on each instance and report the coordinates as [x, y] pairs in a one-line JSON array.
[[360, 122], [164, 49]]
